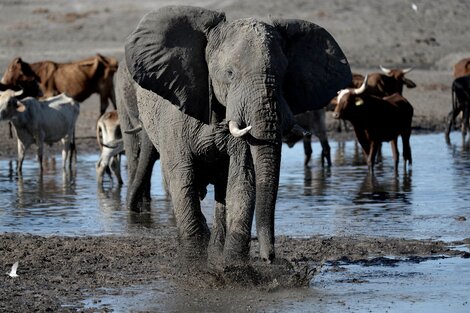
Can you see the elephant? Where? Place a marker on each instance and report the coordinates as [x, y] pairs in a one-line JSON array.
[[213, 99]]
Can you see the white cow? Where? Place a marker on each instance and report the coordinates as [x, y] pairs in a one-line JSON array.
[[108, 134], [41, 121]]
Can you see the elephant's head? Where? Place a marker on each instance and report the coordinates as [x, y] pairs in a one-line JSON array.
[[253, 74]]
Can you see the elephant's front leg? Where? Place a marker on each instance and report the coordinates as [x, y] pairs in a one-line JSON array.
[[191, 223], [241, 196], [219, 225]]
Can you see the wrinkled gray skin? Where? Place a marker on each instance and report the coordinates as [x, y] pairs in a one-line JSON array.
[[140, 152], [188, 73]]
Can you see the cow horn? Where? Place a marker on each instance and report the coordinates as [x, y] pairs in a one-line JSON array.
[[385, 70], [361, 89], [18, 93], [407, 70], [235, 129], [134, 130]]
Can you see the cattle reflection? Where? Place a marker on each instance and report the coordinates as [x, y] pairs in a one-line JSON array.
[[342, 158], [387, 189], [46, 190], [316, 181], [111, 199]]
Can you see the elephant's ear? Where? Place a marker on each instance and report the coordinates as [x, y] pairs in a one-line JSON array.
[[317, 67], [166, 54]]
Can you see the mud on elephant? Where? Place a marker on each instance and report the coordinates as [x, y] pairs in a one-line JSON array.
[[214, 97]]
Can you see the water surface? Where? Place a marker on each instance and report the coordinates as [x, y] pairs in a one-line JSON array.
[[428, 200]]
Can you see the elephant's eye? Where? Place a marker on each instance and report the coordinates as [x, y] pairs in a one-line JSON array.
[[230, 74]]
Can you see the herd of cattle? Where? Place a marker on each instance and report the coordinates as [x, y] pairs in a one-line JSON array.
[[41, 101]]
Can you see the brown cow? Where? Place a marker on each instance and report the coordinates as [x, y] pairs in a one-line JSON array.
[[462, 68], [376, 120], [384, 84], [78, 80], [381, 84]]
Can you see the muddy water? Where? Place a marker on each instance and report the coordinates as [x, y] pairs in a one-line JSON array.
[[430, 200]]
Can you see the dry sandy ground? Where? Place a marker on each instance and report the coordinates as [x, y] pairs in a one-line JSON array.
[[63, 270]]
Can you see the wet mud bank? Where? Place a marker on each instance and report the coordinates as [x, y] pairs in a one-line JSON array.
[[58, 273]]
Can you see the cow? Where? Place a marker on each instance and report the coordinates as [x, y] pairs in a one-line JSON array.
[[29, 88], [376, 120], [78, 79], [311, 122], [109, 137], [462, 68], [381, 84], [41, 121], [385, 83], [460, 103]]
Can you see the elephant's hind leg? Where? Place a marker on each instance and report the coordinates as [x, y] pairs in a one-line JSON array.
[[191, 223]]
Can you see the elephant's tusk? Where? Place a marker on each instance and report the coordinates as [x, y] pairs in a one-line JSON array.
[[236, 131], [134, 130]]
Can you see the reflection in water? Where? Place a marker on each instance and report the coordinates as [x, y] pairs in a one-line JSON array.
[[375, 189], [343, 158], [422, 203], [45, 190], [316, 180], [460, 156]]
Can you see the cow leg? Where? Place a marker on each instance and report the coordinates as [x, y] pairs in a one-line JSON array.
[[326, 152], [112, 97], [451, 122], [307, 140], [116, 168], [66, 153], [40, 152], [101, 166], [405, 138], [465, 117], [379, 153], [365, 144], [395, 154], [104, 103], [21, 153], [374, 147]]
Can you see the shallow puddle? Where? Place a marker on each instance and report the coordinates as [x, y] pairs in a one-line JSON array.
[[439, 285]]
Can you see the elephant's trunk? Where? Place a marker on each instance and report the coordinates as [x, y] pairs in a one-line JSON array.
[[267, 160]]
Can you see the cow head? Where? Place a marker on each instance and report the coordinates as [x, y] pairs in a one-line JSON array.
[[19, 75], [9, 104], [399, 76], [348, 99]]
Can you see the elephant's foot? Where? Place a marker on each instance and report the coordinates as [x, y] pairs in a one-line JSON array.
[[236, 249], [279, 274], [137, 200], [215, 257], [193, 251]]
